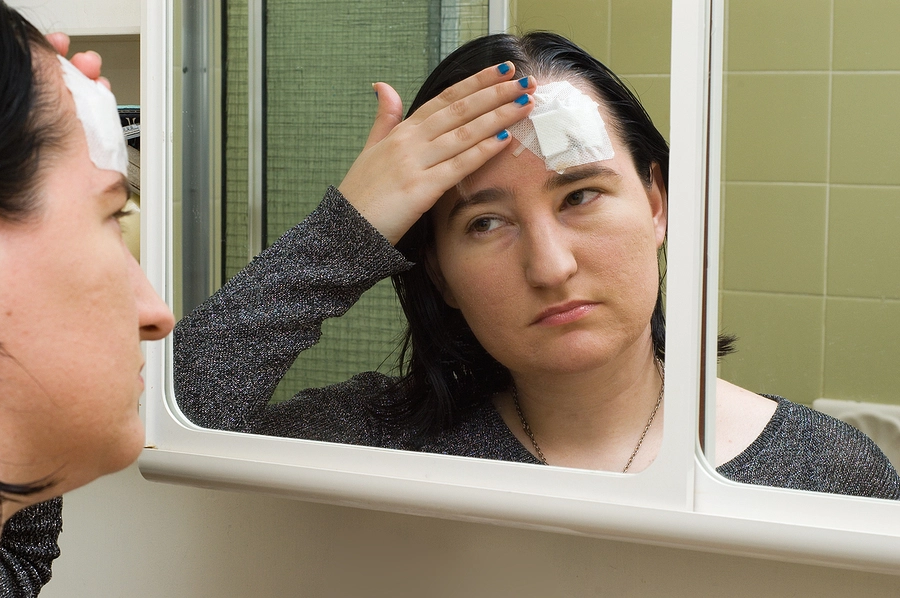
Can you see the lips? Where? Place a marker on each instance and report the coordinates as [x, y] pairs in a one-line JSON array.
[[564, 313]]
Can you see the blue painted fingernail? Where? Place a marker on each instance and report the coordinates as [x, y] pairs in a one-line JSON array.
[[522, 99], [502, 134], [503, 68], [523, 82]]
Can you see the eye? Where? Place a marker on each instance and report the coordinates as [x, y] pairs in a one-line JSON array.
[[124, 212], [483, 224], [582, 196]]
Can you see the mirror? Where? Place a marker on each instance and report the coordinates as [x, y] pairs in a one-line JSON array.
[[809, 266], [274, 73], [679, 501], [263, 136]]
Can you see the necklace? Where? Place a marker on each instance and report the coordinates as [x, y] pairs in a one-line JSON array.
[[662, 377]]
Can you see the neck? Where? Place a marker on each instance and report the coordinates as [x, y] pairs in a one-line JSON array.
[[591, 419]]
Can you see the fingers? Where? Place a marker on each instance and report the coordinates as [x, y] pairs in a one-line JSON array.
[[390, 113], [59, 41], [463, 164], [88, 63], [470, 120], [407, 166], [480, 80]]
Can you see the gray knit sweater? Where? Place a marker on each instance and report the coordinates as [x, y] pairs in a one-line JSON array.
[[28, 547], [232, 351]]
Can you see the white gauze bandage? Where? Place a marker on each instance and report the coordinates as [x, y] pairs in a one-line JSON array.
[[564, 129], [96, 109]]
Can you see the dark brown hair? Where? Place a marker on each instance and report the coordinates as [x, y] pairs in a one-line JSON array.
[[30, 118]]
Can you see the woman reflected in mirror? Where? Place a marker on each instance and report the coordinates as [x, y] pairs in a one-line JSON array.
[[74, 303], [520, 209]]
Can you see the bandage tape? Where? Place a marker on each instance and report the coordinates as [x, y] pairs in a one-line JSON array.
[[564, 129], [96, 108]]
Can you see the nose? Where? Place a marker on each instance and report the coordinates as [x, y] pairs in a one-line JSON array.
[[549, 260], [155, 319]]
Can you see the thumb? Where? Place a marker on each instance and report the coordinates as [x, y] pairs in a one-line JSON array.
[[390, 113]]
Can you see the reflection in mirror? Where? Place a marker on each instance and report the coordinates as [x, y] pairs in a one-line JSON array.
[[808, 266], [486, 245], [555, 275]]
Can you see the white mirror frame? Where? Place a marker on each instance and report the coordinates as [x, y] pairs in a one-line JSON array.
[[679, 501]]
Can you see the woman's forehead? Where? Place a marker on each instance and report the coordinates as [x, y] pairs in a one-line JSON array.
[[516, 165]]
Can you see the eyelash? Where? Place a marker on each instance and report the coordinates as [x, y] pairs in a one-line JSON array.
[[592, 193], [471, 228], [120, 215]]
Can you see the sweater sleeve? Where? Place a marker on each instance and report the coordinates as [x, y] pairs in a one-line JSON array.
[[28, 547], [231, 352]]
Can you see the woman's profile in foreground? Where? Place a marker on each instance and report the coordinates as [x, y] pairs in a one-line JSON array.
[[74, 304], [519, 209]]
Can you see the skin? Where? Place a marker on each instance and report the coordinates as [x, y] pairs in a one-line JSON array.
[[74, 307], [536, 248]]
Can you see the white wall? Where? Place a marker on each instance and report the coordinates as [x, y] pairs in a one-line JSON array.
[[94, 17], [126, 537]]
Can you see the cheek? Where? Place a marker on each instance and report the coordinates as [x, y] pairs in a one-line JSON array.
[[628, 265], [484, 289]]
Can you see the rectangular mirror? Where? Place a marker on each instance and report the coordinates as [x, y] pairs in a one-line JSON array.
[[808, 264], [216, 221]]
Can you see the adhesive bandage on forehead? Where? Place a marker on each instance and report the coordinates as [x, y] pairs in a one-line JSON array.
[[564, 129], [96, 108]]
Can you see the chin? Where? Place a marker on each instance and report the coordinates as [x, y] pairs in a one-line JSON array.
[[124, 449]]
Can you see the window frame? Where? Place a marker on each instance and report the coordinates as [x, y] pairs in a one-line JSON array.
[[678, 501]]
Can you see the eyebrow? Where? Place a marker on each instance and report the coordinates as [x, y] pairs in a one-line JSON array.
[[489, 195], [579, 173], [556, 181], [119, 186]]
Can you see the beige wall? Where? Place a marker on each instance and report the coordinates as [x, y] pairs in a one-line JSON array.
[[125, 537], [128, 538]]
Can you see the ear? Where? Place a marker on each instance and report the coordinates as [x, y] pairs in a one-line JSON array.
[[433, 269], [659, 204]]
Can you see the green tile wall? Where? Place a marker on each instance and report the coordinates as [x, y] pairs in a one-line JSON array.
[[863, 255], [777, 127], [865, 128], [774, 35], [810, 266], [640, 36], [766, 222], [865, 35], [861, 350], [771, 327], [586, 22]]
